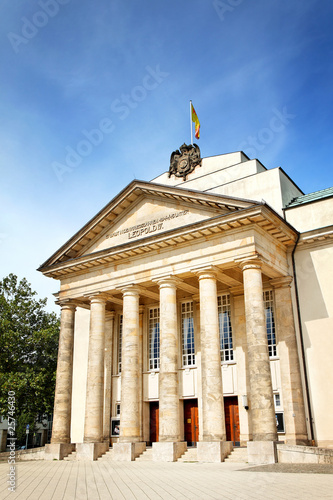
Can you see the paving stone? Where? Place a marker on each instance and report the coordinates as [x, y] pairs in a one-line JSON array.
[[140, 480]]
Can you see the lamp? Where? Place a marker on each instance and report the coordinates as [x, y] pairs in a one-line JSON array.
[[244, 401]]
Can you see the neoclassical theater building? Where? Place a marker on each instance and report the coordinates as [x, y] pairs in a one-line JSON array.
[[196, 310]]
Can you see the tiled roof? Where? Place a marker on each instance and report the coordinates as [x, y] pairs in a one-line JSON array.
[[308, 198]]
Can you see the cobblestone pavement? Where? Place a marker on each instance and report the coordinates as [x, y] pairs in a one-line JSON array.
[[148, 480], [295, 468]]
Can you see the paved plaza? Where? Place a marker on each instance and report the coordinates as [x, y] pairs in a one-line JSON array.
[[101, 480]]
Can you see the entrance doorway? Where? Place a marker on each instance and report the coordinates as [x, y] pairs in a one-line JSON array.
[[232, 419], [191, 422], [154, 421]]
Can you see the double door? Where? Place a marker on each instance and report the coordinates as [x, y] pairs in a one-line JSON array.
[[191, 421]]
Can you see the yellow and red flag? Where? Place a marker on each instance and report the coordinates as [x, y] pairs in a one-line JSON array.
[[195, 119]]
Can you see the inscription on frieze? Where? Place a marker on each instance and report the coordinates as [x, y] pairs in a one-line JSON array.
[[147, 227]]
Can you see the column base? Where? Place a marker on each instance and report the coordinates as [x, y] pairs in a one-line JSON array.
[[90, 451], [168, 451], [127, 452], [58, 451], [262, 452], [213, 451]]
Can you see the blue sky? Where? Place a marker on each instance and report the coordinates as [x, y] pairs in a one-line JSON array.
[[95, 94]]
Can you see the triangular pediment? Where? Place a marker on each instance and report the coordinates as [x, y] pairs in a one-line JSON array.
[[143, 210], [150, 216]]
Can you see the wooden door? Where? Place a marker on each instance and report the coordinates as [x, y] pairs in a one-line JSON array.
[[154, 422], [232, 419], [191, 422]]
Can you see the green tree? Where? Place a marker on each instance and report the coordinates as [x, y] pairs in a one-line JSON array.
[[28, 351]]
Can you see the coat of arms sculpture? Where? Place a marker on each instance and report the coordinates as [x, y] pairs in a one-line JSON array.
[[184, 160]]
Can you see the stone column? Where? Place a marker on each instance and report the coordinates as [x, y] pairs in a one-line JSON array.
[[93, 445], [213, 447], [60, 442], [212, 392], [130, 440], [292, 393], [168, 448], [109, 327], [141, 313], [261, 393]]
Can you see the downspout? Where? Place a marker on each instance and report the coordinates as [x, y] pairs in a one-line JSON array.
[[302, 342]]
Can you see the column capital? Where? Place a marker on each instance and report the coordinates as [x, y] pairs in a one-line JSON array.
[[97, 297], [130, 290], [206, 272], [110, 315], [251, 263], [169, 281], [66, 304], [282, 282]]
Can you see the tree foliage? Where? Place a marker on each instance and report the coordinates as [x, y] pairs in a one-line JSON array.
[[28, 350]]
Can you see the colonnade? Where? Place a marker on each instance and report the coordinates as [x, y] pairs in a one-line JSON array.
[[97, 415]]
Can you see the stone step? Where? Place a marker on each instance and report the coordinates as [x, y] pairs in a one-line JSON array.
[[238, 455], [190, 455], [146, 456], [71, 457], [107, 456]]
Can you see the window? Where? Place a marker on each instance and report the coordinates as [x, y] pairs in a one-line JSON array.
[[270, 323], [277, 400], [115, 427], [279, 422], [118, 409], [188, 351], [226, 348], [120, 341], [154, 338]]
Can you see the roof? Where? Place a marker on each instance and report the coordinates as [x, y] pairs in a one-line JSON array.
[[311, 197]]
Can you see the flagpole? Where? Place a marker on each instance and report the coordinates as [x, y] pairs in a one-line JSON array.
[[191, 123]]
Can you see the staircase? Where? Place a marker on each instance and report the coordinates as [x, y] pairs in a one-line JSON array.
[[71, 457], [238, 455], [190, 455], [106, 457], [146, 456]]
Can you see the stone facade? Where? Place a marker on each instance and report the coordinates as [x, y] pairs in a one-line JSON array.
[[178, 319]]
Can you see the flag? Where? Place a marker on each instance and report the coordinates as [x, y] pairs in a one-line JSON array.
[[195, 119]]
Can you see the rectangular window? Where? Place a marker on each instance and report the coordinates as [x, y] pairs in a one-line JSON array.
[[188, 350], [270, 323], [277, 400], [279, 422], [224, 312], [118, 409], [154, 338], [120, 341], [115, 427]]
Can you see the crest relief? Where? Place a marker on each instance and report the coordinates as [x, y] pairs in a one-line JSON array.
[[184, 160]]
